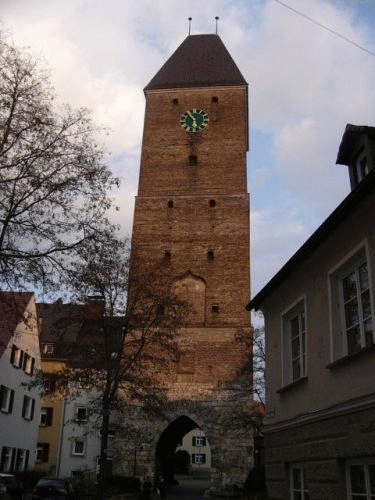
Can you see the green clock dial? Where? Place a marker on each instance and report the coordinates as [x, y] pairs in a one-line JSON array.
[[194, 120]]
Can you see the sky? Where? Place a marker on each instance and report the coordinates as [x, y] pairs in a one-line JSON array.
[[305, 85]]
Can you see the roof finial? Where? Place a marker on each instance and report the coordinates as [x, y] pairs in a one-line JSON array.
[[189, 19], [216, 18]]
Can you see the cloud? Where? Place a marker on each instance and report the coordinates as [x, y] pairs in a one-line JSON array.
[[275, 234], [305, 84]]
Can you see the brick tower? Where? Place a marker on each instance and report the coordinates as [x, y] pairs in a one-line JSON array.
[[192, 211]]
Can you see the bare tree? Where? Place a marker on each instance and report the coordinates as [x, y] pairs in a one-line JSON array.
[[259, 364], [121, 348], [53, 181]]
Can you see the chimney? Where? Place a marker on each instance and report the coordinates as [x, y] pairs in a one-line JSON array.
[[94, 307]]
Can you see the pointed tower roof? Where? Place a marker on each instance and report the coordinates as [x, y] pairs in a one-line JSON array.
[[200, 61]]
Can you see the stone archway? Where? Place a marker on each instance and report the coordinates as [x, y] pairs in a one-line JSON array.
[[167, 444]]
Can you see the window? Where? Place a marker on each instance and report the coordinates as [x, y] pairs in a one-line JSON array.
[[210, 255], [215, 309], [42, 452], [6, 399], [28, 364], [46, 415], [16, 356], [215, 99], [170, 204], [357, 308], [8, 456], [79, 447], [298, 484], [81, 414], [48, 349], [362, 166], [361, 480], [22, 459], [198, 458], [351, 306], [212, 203], [175, 101], [294, 343], [199, 441], [28, 408], [193, 160]]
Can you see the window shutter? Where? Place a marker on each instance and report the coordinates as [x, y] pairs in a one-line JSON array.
[[45, 452], [11, 399], [2, 460], [24, 406], [2, 394], [49, 417], [203, 441], [13, 354], [203, 458], [21, 359], [32, 366], [32, 409], [27, 460], [194, 440], [193, 458]]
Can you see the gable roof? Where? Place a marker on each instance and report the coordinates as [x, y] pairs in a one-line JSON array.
[[200, 61], [344, 210], [12, 308]]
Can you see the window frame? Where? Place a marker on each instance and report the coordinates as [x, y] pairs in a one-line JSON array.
[[78, 419], [338, 327], [295, 310], [46, 416], [303, 490], [16, 356], [48, 349], [365, 462], [198, 458], [10, 458], [28, 364], [199, 441], [44, 449], [6, 402], [28, 408], [74, 450], [22, 457]]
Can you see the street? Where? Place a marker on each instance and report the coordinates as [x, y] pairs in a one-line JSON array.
[[188, 489]]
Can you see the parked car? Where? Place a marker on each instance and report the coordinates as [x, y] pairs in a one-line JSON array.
[[9, 487], [53, 489]]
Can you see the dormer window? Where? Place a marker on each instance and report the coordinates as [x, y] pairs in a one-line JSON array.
[[357, 152], [362, 166]]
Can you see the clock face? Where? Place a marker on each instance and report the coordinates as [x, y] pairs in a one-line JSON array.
[[194, 120]]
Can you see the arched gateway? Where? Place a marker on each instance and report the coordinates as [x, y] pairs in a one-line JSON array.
[[192, 214]]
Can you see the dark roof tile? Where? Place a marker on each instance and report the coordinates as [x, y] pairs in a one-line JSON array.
[[200, 61]]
